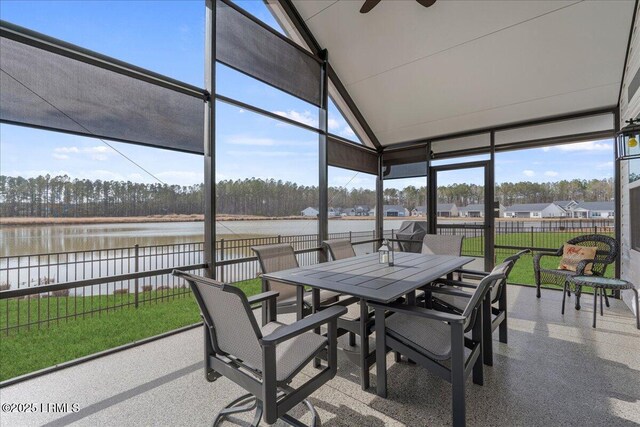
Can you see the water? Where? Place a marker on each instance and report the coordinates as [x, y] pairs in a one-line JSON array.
[[23, 240]]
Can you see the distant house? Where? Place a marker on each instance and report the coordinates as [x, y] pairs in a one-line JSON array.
[[361, 210], [535, 210], [593, 210], [310, 212], [477, 211], [447, 210], [567, 205], [335, 211], [392, 211]]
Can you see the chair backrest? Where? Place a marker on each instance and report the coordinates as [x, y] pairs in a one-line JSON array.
[[439, 244], [274, 258], [227, 314], [606, 252], [486, 284], [496, 291], [340, 248]]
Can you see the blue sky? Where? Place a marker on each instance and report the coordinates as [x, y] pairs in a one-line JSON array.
[[168, 37]]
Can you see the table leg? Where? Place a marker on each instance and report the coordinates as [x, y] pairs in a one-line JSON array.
[[299, 302], [364, 345], [601, 305], [635, 292], [595, 305], [411, 298], [315, 306]]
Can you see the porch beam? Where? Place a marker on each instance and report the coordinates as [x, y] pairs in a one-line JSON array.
[[210, 141]]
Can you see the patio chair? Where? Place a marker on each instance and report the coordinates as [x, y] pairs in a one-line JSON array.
[[495, 311], [607, 251], [439, 244], [264, 360], [280, 257], [436, 340], [339, 248]]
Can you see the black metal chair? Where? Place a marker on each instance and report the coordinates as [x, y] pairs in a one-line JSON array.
[[262, 360], [278, 257], [607, 252], [339, 248], [495, 311], [432, 338]]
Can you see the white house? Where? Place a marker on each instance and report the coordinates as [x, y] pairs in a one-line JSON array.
[[419, 211], [535, 210], [593, 210], [310, 212], [477, 211], [447, 210], [392, 210]]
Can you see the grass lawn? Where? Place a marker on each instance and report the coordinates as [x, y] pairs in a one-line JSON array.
[[26, 351]]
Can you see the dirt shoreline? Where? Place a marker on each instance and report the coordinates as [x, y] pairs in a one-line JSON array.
[[20, 221]]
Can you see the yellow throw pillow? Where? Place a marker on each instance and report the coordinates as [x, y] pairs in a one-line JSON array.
[[573, 254]]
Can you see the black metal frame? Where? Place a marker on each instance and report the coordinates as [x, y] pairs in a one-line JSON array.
[[275, 397], [489, 217]]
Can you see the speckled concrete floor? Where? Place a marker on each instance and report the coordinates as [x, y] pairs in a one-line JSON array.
[[556, 370]]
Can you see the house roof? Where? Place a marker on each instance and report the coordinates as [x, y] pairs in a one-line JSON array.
[[472, 207], [564, 203], [471, 65], [528, 207], [445, 206], [398, 208], [596, 206]]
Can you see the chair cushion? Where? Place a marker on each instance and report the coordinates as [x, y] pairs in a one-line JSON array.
[[293, 354], [573, 254], [431, 337]]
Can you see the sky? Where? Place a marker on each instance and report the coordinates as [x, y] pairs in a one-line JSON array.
[[168, 37]]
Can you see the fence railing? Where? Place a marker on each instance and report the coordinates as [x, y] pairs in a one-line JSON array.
[[43, 289]]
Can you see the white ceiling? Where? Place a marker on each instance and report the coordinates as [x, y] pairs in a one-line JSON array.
[[415, 72]]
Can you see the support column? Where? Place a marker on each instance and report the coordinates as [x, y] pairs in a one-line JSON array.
[[489, 212], [323, 166], [379, 203], [617, 195], [209, 141]]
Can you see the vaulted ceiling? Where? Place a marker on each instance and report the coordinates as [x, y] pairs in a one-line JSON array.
[[418, 72]]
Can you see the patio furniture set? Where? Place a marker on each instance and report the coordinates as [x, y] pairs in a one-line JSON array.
[[414, 305]]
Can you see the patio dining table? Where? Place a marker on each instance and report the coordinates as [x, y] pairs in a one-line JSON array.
[[364, 277]]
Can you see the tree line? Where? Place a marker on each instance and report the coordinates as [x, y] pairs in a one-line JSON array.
[[61, 196]]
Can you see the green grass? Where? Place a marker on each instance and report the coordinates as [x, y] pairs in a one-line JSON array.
[[29, 350]]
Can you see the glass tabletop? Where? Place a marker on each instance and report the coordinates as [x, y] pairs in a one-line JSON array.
[[601, 280]]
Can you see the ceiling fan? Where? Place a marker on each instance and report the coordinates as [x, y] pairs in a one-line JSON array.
[[370, 4]]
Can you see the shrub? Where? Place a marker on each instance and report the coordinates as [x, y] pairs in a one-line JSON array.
[[121, 291], [60, 293], [147, 288]]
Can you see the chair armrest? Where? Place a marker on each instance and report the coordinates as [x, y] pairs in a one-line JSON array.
[[449, 282], [411, 310], [287, 332], [473, 272], [583, 264], [264, 296], [538, 256]]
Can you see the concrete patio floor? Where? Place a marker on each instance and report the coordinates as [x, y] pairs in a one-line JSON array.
[[556, 370]]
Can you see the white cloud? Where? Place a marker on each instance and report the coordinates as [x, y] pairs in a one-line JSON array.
[[582, 146], [303, 117], [333, 124], [551, 173], [528, 173], [181, 177], [99, 152], [347, 131], [272, 153], [604, 165]]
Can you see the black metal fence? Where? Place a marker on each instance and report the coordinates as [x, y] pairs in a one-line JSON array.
[[43, 289]]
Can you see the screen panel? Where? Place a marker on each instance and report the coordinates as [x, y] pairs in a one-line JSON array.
[[473, 142], [44, 89], [559, 129], [247, 46], [348, 156], [407, 163]]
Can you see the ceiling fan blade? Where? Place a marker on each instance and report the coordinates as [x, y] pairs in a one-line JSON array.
[[426, 3], [368, 5]]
